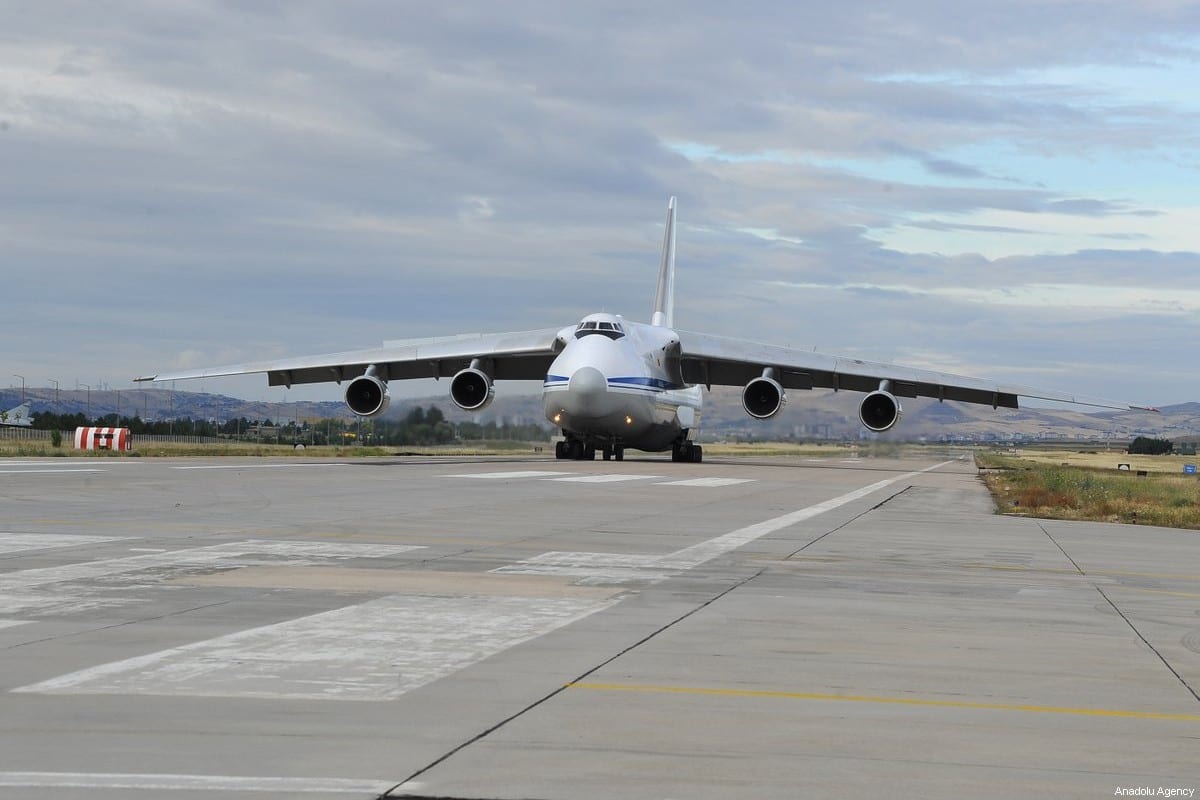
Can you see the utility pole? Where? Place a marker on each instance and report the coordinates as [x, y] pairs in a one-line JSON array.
[[89, 401], [22, 377]]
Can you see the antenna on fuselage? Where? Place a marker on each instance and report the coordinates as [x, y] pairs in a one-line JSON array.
[[664, 298]]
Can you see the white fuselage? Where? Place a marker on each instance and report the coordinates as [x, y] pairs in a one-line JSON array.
[[611, 385]]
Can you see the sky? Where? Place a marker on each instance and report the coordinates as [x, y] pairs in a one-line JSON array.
[[997, 189]]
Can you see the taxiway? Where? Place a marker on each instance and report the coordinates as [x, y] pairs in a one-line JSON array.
[[528, 628]]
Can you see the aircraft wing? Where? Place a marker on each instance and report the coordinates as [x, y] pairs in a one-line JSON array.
[[707, 360], [522, 355]]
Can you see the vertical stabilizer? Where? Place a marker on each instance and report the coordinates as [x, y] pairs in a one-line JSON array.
[[664, 298]]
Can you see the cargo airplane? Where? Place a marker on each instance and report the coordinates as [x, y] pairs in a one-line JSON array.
[[609, 383]]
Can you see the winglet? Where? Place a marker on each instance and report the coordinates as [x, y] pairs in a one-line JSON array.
[[664, 298]]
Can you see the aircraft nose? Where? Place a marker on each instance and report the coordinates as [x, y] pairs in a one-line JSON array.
[[588, 382]]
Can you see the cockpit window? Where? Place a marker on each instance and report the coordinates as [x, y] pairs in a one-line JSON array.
[[612, 330]]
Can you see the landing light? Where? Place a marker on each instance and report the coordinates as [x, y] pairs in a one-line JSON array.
[[557, 418], [628, 420]]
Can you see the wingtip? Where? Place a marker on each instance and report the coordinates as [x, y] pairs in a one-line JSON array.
[[144, 378]]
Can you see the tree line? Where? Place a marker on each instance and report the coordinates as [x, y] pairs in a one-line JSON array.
[[1144, 445]]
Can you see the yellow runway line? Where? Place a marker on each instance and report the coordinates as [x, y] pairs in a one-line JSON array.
[[904, 701]]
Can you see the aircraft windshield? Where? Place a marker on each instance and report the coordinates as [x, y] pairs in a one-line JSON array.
[[612, 330]]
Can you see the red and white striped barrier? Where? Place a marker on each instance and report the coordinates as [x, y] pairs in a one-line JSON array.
[[103, 439]]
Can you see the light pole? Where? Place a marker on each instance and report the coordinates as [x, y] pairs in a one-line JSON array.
[[22, 377], [89, 401], [55, 394]]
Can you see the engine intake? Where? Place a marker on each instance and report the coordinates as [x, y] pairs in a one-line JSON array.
[[367, 396], [763, 398], [880, 411], [471, 389]]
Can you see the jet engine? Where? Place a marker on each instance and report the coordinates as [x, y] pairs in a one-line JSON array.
[[880, 410], [367, 396], [763, 398], [471, 389]]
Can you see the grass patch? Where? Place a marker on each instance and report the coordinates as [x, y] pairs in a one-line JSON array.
[[1051, 490], [44, 449]]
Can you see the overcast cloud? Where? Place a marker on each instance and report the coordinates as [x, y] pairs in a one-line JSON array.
[[1003, 189]]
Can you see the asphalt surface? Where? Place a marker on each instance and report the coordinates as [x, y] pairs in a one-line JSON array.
[[526, 628]]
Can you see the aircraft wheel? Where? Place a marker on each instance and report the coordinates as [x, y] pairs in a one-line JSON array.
[[589, 454], [697, 454], [619, 453], [608, 453], [560, 450]]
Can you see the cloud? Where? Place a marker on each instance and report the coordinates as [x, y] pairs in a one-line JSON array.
[[238, 181], [1122, 301]]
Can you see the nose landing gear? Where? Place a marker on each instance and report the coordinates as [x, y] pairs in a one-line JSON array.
[[614, 451]]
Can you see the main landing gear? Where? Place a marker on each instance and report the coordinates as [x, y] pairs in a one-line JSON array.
[[576, 450], [686, 451]]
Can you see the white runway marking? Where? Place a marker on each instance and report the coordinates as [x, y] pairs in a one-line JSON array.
[[601, 568], [263, 466], [593, 568], [605, 478], [568, 477], [209, 783], [712, 482], [503, 475], [65, 471], [12, 623], [372, 651], [19, 542], [92, 583], [59, 463]]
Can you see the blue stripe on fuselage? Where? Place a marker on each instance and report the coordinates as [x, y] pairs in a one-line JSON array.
[[655, 383], [630, 382]]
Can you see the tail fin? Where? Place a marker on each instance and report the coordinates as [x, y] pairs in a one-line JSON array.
[[664, 298]]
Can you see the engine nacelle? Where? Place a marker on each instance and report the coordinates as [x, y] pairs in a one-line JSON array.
[[763, 398], [471, 389], [367, 396], [880, 411]]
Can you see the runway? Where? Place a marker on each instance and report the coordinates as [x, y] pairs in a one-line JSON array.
[[529, 628]]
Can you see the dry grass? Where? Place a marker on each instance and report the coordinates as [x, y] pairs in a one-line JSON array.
[[1106, 460], [43, 449], [1044, 487]]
